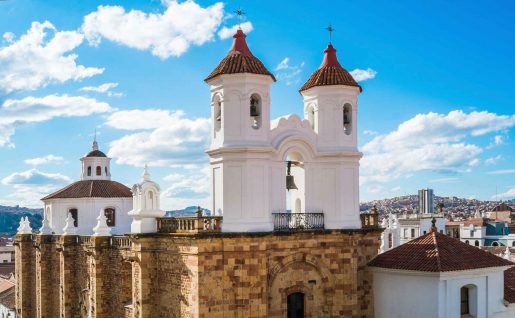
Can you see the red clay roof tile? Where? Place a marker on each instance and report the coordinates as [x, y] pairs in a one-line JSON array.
[[92, 189]]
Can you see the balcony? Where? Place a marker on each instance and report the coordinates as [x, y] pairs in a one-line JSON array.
[[189, 224], [288, 222]]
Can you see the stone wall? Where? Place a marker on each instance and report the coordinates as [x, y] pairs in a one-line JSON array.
[[197, 275]]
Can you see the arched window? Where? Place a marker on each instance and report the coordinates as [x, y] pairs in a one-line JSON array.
[[217, 113], [465, 305], [513, 243], [476, 243], [99, 170], [390, 240], [110, 214], [295, 303], [466, 241], [105, 170], [495, 243], [89, 171], [347, 119], [150, 199], [412, 232], [75, 215], [255, 111], [468, 301], [311, 114]]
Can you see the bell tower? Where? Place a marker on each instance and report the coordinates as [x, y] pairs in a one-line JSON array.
[[95, 165], [240, 113], [331, 104]]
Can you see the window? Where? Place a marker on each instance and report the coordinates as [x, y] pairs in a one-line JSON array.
[[513, 244], [295, 303], [110, 216], [347, 119], [106, 170], [217, 113], [405, 233], [476, 243], [255, 111], [412, 232], [425, 232], [75, 216], [465, 306], [471, 233], [495, 244], [89, 171], [390, 240], [311, 114], [466, 241], [99, 170], [150, 199]]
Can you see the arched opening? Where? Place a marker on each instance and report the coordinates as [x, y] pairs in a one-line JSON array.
[[495, 243], [412, 232], [106, 171], [75, 215], [390, 240], [513, 244], [311, 115], [476, 243], [295, 303], [347, 119], [99, 171], [468, 301], [295, 183], [150, 201], [217, 114], [110, 215], [89, 171], [126, 290], [255, 111], [467, 242]]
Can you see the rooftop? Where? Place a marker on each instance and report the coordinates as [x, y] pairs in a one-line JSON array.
[[436, 252], [92, 189]]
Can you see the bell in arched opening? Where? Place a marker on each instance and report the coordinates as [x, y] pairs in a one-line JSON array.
[[290, 182]]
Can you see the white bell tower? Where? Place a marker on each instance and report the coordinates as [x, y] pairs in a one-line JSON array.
[[240, 108], [95, 165]]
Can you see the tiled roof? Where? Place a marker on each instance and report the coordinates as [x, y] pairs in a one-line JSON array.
[[7, 298], [503, 207], [92, 189], [437, 252], [239, 59], [330, 73], [6, 269], [509, 285], [95, 153]]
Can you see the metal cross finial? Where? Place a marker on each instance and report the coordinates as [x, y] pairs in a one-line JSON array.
[[239, 12], [330, 29], [95, 138]]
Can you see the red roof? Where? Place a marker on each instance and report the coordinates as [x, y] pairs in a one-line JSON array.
[[330, 72], [437, 252], [239, 59], [92, 189]]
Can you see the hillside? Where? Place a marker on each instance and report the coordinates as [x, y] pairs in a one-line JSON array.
[[10, 218]]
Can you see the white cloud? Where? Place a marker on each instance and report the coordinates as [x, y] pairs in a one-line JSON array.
[[36, 60], [166, 34], [498, 140], [163, 138], [429, 142], [446, 180], [290, 74], [189, 187], [103, 88], [505, 195], [370, 132], [34, 177], [506, 171], [14, 112], [226, 32], [363, 75], [493, 160], [9, 37], [396, 189], [43, 160]]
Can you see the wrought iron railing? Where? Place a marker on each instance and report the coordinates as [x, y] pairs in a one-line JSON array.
[[298, 221], [189, 224]]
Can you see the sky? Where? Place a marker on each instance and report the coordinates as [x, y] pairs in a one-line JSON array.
[[437, 108]]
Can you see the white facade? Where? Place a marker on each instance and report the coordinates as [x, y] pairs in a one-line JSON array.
[[6, 254], [248, 155], [402, 229], [438, 295]]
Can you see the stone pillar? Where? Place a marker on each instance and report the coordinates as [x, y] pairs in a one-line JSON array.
[[142, 279], [69, 293], [102, 288], [25, 276], [47, 277]]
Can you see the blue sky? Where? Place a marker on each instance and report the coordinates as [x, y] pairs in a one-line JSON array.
[[437, 109]]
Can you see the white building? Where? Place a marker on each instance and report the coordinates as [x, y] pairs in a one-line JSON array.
[[404, 228], [84, 200], [437, 276], [7, 254], [249, 153], [425, 201]]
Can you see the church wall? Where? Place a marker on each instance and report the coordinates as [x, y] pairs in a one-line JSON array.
[[47, 277], [25, 272]]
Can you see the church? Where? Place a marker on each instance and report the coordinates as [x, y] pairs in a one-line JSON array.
[[285, 237]]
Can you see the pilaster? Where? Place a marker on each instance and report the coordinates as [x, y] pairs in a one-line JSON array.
[[47, 276], [25, 272]]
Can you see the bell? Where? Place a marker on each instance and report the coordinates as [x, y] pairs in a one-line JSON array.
[[253, 111], [290, 183]]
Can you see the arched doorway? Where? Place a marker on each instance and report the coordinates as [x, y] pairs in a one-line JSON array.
[[468, 301], [295, 305]]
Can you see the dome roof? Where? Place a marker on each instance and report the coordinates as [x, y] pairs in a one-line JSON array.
[[95, 153], [330, 72], [239, 59], [92, 189]]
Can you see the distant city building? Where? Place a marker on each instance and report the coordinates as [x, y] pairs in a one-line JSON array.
[[7, 254], [425, 201]]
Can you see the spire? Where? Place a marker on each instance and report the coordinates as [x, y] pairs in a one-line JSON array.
[[330, 58], [239, 45], [146, 175], [95, 144]]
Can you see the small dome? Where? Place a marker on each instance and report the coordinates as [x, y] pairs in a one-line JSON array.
[[330, 72], [239, 59], [95, 153]]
